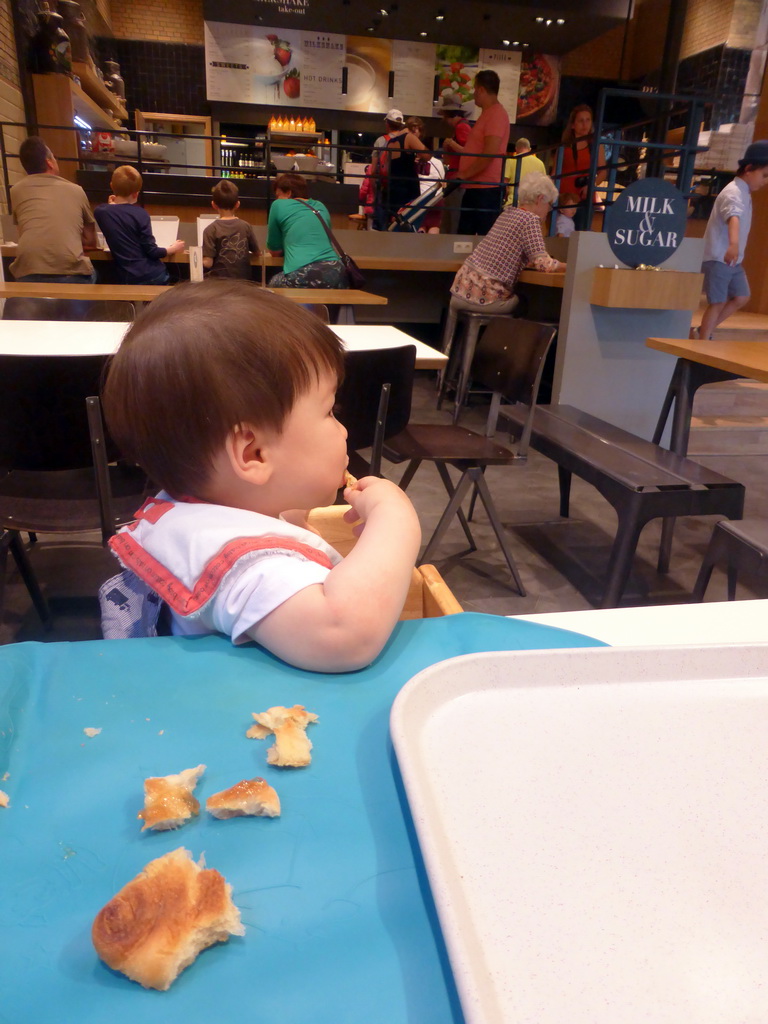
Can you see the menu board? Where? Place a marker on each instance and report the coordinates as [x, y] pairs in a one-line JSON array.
[[506, 64], [413, 65], [321, 70]]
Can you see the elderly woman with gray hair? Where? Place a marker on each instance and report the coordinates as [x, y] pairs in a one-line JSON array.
[[486, 280]]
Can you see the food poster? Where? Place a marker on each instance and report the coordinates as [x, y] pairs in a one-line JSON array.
[[322, 63], [251, 64], [539, 88], [413, 65], [456, 66], [368, 63], [506, 64]]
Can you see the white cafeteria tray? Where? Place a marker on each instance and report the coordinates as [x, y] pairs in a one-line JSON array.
[[594, 824]]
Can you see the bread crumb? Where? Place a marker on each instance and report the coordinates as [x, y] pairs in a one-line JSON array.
[[6, 776], [4, 798], [292, 746], [90, 731]]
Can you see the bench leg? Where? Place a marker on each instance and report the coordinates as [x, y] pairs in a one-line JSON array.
[[717, 552], [564, 478], [622, 553], [665, 545]]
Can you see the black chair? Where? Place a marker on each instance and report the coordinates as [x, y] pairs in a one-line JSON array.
[[508, 362], [56, 474], [111, 311], [374, 401]]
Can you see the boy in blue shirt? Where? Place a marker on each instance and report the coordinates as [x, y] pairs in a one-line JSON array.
[[128, 232], [725, 239]]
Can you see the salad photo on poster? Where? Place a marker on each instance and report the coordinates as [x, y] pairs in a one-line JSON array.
[[456, 67]]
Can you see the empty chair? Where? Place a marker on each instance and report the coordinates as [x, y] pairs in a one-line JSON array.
[[359, 401], [509, 363], [49, 459]]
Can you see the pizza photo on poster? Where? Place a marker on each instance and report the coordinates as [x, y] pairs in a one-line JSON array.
[[539, 88]]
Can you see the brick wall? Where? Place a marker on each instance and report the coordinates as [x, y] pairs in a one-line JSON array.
[[11, 102], [707, 24], [599, 58], [171, 21]]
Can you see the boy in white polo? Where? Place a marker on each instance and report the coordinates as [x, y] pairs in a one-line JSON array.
[[725, 240]]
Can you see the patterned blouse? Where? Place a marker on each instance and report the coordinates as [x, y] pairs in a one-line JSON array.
[[491, 272]]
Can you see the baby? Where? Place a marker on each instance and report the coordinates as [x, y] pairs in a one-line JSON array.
[[224, 393]]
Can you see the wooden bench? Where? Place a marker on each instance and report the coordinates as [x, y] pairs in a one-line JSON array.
[[641, 480]]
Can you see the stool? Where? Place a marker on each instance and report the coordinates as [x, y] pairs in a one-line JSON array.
[[361, 220], [736, 544], [470, 323]]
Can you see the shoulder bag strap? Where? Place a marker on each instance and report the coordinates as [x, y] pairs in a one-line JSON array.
[[331, 236]]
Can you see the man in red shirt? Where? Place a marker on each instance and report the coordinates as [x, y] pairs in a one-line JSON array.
[[483, 173], [453, 115]]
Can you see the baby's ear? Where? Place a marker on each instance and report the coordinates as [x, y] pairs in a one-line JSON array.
[[245, 452]]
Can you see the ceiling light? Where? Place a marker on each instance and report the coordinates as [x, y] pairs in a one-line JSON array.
[[549, 21], [383, 12], [505, 42], [539, 19], [516, 43], [561, 21], [422, 33], [371, 28], [440, 16]]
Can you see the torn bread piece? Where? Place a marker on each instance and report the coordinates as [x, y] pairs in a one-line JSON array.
[[248, 797], [159, 922], [349, 480], [292, 746], [4, 798], [168, 799]]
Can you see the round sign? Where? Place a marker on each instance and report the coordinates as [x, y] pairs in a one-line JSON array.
[[646, 223]]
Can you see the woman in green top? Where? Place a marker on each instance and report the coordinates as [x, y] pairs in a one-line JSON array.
[[294, 232]]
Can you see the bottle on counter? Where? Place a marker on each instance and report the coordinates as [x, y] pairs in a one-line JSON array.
[[50, 49], [299, 125], [312, 126]]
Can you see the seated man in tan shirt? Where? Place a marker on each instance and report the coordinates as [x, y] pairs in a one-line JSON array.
[[54, 219]]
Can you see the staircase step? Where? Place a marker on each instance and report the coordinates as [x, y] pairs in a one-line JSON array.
[[728, 435], [732, 398]]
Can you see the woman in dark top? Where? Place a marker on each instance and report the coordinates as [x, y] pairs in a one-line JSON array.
[[403, 149]]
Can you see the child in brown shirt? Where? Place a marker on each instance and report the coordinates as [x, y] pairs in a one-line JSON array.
[[228, 241]]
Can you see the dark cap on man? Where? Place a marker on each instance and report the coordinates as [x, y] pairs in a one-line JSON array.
[[757, 153]]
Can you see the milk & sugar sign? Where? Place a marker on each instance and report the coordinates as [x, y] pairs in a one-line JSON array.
[[646, 223]]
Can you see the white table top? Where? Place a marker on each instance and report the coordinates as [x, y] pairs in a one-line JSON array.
[[85, 338], [714, 622]]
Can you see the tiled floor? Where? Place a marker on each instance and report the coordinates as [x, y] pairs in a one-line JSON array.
[[562, 562]]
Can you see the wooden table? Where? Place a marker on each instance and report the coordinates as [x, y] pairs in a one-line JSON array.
[[77, 338], [740, 358], [345, 298], [743, 358]]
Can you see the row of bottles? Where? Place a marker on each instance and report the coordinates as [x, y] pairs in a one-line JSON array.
[[291, 124], [61, 39]]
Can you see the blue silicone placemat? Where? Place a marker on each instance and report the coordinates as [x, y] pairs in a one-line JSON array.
[[340, 925]]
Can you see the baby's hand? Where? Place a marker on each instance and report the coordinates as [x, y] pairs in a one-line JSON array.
[[371, 494]]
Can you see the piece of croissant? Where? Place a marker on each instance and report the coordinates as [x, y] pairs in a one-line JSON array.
[[292, 746], [168, 799], [248, 797]]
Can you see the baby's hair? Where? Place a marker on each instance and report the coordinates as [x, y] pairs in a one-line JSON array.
[[202, 359], [225, 194], [568, 199], [125, 181]]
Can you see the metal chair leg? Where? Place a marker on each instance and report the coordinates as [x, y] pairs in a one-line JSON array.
[[449, 512], [498, 528], [12, 541], [445, 476]]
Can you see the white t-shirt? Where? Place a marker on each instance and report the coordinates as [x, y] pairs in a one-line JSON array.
[[220, 569], [564, 225]]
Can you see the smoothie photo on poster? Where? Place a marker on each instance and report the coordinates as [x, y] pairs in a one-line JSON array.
[[368, 63], [275, 65]]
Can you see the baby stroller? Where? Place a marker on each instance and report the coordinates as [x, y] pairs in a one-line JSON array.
[[410, 216]]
